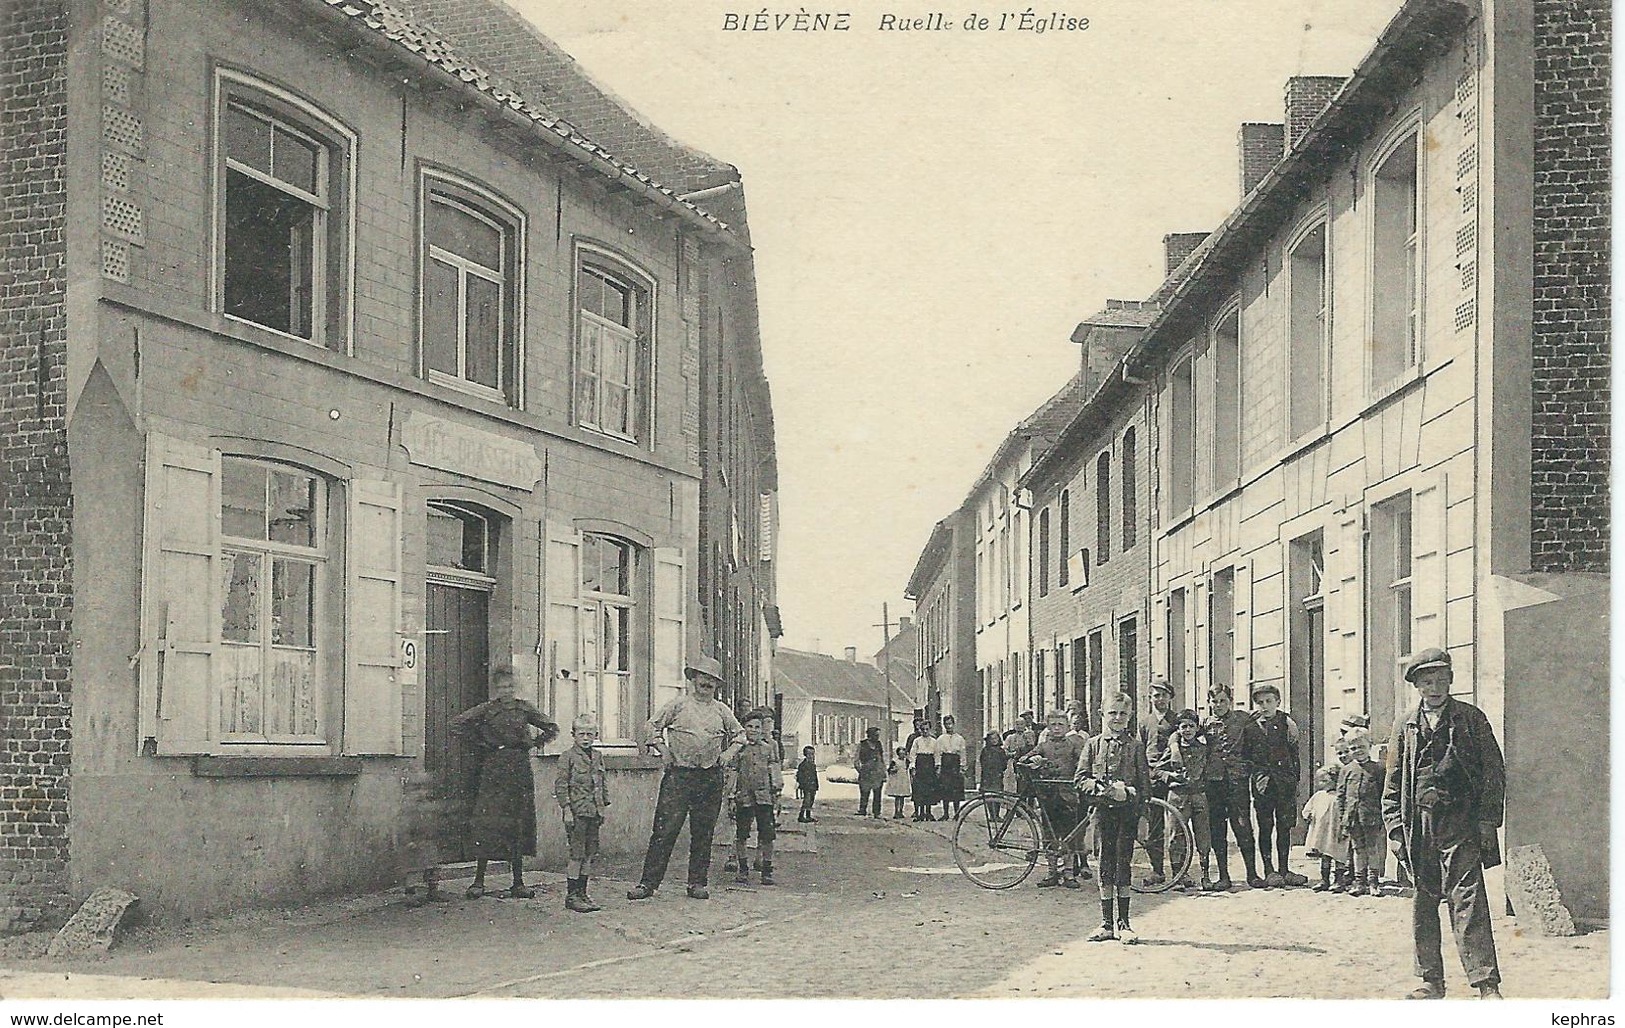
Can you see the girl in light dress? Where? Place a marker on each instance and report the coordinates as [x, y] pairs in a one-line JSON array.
[[1325, 837]]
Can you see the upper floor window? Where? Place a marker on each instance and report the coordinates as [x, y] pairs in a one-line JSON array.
[[1130, 501], [1182, 444], [1307, 326], [470, 297], [1227, 401], [1043, 552], [1103, 508], [281, 230], [612, 348], [1396, 265], [1063, 572]]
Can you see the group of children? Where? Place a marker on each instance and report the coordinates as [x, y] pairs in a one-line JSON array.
[[1345, 816]]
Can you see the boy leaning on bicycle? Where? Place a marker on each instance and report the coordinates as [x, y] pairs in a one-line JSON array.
[[1053, 759]]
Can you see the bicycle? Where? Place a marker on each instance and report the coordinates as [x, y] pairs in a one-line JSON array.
[[999, 836]]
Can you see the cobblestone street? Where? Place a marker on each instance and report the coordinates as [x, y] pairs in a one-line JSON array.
[[850, 896]]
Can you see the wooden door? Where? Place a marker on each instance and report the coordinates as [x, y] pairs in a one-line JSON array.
[[456, 665]]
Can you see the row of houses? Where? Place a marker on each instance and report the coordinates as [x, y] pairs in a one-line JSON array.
[[1366, 415], [350, 350]]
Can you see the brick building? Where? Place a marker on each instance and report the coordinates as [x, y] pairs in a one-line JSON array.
[[830, 703], [1379, 398], [349, 366], [943, 587], [1090, 571]]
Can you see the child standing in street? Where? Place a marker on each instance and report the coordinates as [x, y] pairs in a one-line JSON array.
[[581, 787], [1324, 839], [807, 784], [1114, 777], [897, 782], [1184, 767], [990, 765], [1359, 812], [756, 788], [1056, 757]]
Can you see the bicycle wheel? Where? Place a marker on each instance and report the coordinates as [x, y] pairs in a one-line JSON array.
[[996, 841], [1178, 846]]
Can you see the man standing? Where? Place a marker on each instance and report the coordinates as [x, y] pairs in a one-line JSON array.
[[871, 761], [1154, 733], [1442, 804], [696, 735]]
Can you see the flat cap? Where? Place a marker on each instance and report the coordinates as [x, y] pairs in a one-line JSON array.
[[1160, 684], [1430, 657]]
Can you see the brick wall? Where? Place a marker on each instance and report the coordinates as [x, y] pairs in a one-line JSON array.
[[1261, 147], [36, 603], [1306, 97], [1571, 330]]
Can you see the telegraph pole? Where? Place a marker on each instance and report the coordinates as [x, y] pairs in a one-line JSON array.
[[885, 667]]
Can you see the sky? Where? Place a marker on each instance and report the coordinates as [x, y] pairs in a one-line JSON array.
[[933, 213]]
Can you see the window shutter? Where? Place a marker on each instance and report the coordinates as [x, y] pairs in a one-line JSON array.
[[670, 625], [1242, 604], [180, 603], [372, 599], [1343, 602], [1428, 585], [561, 629]]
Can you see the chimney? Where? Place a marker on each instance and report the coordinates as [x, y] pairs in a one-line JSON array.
[[1306, 97], [1262, 146], [903, 621], [851, 654], [1178, 246]]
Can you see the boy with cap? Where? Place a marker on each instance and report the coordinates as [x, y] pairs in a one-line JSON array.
[[757, 785], [1154, 733], [581, 787], [1275, 783], [1442, 806], [1359, 812], [1183, 769], [1056, 756], [1230, 732]]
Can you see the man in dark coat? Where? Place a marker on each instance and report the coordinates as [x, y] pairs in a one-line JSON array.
[[871, 767], [1442, 805]]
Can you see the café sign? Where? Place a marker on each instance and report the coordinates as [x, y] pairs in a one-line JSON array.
[[437, 443]]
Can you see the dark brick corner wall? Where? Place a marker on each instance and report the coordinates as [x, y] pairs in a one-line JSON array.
[[36, 504], [1571, 318]]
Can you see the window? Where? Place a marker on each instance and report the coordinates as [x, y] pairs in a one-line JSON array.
[[612, 346], [608, 568], [1018, 563], [1388, 602], [1128, 655], [1103, 508], [1182, 448], [1227, 401], [1043, 552], [458, 539], [1396, 266], [470, 290], [1130, 494], [273, 562], [1306, 382], [282, 234], [1221, 631], [1063, 572]]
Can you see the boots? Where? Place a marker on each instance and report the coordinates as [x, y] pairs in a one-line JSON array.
[[767, 873], [1375, 882], [1325, 875], [1360, 888], [576, 898], [741, 871], [1107, 932]]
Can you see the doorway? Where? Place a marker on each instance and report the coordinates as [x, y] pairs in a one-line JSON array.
[[456, 665], [1306, 686]]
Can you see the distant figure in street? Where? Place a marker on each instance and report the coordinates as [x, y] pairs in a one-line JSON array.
[[1325, 836], [696, 736], [990, 765], [1114, 777], [922, 762], [503, 825], [758, 783], [898, 783], [950, 750], [1229, 731], [1029, 728], [582, 788], [1359, 812], [1078, 716], [1056, 758], [807, 784], [1274, 760], [1015, 747], [1442, 805], [1183, 769], [871, 766]]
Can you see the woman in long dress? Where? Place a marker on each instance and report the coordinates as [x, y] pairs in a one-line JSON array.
[[922, 759], [503, 824], [950, 750]]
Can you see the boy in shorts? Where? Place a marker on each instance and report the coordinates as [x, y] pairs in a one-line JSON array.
[[1056, 756], [581, 788], [757, 785], [1114, 777]]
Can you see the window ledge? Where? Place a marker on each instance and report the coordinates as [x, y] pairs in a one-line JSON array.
[[276, 767], [1397, 386]]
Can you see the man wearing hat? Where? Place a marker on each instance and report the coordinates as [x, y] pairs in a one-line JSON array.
[[1442, 805], [696, 735], [1275, 783], [1154, 733]]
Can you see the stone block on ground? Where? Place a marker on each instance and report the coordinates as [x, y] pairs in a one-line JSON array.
[[1533, 892], [89, 932]]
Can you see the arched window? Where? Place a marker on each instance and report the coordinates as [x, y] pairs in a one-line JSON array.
[[608, 574], [470, 296], [1063, 573], [1043, 552], [614, 326], [1130, 492], [1103, 508]]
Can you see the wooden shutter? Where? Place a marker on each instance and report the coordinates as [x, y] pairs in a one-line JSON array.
[[1241, 605], [670, 625], [180, 595], [1341, 583], [372, 601], [561, 627], [1428, 585]]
